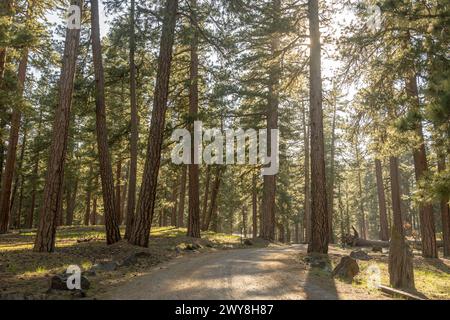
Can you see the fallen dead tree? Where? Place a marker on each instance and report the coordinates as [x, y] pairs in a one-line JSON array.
[[355, 241]]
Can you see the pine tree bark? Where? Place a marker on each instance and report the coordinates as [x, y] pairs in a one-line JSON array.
[[180, 219], [72, 201], [18, 183], [94, 212], [45, 238], [269, 184], [131, 206], [254, 207], [428, 229], [214, 203], [173, 216], [445, 210], [146, 205], [332, 174], [87, 212], [8, 173], [112, 228], [194, 180], [362, 214], [206, 195], [319, 208], [118, 191], [384, 228], [307, 203], [401, 273]]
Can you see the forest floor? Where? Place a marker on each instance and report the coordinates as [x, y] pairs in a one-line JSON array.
[[26, 273], [171, 269]]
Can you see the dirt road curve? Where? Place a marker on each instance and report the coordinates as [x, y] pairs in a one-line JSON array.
[[270, 273]]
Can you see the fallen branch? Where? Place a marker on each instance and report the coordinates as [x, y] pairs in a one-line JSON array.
[[403, 294]]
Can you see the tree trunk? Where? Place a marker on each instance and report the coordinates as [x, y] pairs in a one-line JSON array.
[[173, 216], [8, 173], [401, 273], [362, 214], [94, 211], [428, 230], [18, 183], [145, 210], [131, 206], [445, 211], [110, 211], [45, 238], [244, 221], [118, 191], [206, 195], [319, 209], [254, 207], [332, 173], [72, 201], [180, 221], [307, 204], [214, 196], [194, 193], [384, 228], [269, 186], [87, 213]]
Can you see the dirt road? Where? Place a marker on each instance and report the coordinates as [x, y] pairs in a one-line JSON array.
[[269, 273]]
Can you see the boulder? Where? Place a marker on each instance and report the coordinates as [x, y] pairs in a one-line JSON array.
[[347, 269], [106, 266], [360, 255], [59, 282]]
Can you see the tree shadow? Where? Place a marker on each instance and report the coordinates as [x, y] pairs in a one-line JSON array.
[[320, 284]]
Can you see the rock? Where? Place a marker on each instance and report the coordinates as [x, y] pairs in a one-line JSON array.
[[129, 261], [377, 249], [106, 266], [347, 269], [59, 282], [248, 242], [360, 255]]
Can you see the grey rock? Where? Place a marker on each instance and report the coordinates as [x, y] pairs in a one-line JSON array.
[[106, 266], [59, 282]]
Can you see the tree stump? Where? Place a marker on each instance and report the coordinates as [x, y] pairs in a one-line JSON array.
[[347, 269]]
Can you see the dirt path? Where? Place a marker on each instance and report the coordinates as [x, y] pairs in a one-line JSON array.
[[270, 273]]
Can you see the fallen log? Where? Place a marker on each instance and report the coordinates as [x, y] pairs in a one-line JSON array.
[[395, 292], [355, 241]]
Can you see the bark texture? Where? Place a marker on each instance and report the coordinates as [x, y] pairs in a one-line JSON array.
[[146, 205], [112, 228], [401, 273], [194, 180], [384, 227], [319, 209]]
